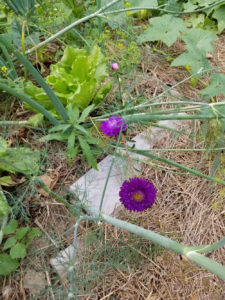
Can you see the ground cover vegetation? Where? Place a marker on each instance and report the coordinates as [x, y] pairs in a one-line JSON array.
[[78, 80]]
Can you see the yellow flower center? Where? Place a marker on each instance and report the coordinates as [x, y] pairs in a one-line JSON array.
[[138, 197]]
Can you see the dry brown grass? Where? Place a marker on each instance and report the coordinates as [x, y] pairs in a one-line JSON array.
[[184, 212]]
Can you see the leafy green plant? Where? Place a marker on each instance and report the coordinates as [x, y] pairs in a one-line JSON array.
[[78, 79], [16, 245], [17, 159], [75, 133], [22, 7]]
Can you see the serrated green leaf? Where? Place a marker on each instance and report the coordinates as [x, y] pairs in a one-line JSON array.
[[196, 60], [195, 20], [216, 86], [7, 264], [87, 153], [199, 40], [18, 251], [81, 129], [86, 113], [72, 153], [20, 159], [3, 146], [10, 227], [55, 136], [71, 140], [21, 232], [9, 243], [166, 28], [34, 233], [219, 15], [73, 113], [61, 127]]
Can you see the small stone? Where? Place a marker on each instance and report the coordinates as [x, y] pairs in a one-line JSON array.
[[34, 281]]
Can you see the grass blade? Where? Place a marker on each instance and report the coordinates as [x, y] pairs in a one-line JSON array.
[[55, 100], [29, 101]]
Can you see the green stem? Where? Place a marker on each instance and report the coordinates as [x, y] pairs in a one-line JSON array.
[[9, 60], [23, 47], [29, 101], [52, 96], [175, 164], [165, 242], [148, 117], [163, 10], [64, 30], [51, 193], [208, 248], [72, 267]]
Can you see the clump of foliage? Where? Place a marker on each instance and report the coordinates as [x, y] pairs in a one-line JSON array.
[[16, 244], [78, 80]]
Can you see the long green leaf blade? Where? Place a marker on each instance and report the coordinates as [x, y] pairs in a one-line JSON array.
[[87, 153], [29, 101], [55, 100], [175, 164]]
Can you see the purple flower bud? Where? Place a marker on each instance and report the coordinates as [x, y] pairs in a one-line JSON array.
[[114, 66]]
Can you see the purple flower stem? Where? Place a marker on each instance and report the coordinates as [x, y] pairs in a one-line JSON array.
[[110, 170]]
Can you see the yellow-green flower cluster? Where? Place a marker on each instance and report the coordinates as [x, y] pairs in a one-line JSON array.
[[3, 69]]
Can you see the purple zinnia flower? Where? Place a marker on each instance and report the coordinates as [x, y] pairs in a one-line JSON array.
[[113, 126], [137, 194], [114, 66]]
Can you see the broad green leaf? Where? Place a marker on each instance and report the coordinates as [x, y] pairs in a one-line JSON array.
[[3, 146], [199, 39], [61, 127], [118, 20], [219, 15], [75, 80], [7, 264], [143, 3], [4, 207], [196, 60], [21, 232], [18, 251], [102, 92], [81, 129], [6, 180], [72, 153], [36, 120], [87, 153], [189, 6], [86, 113], [9, 243], [73, 113], [39, 95], [166, 28], [216, 86], [55, 136], [195, 20], [20, 159], [10, 227], [71, 141]]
